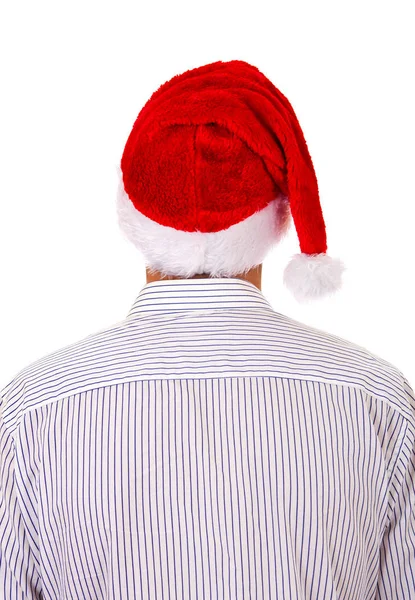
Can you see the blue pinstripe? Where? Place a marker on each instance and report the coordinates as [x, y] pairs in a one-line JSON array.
[[207, 446]]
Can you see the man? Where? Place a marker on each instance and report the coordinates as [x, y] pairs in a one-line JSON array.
[[207, 446]]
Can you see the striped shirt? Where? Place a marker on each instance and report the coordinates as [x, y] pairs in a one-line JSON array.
[[208, 447]]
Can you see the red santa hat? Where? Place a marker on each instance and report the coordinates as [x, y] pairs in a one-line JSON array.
[[213, 169]]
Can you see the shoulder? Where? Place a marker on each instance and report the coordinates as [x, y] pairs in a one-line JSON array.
[[359, 366], [62, 372]]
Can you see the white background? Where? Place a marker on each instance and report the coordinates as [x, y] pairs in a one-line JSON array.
[[74, 77]]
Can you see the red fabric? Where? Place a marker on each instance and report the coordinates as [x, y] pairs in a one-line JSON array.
[[216, 144]]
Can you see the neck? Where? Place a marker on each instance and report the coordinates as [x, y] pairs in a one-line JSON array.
[[253, 276]]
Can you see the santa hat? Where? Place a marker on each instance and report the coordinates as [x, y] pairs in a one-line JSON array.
[[213, 169]]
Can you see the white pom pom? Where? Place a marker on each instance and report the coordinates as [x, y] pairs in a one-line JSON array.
[[312, 276]]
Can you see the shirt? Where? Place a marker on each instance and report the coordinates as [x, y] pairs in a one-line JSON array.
[[205, 447]]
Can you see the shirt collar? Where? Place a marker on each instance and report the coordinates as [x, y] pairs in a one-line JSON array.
[[173, 295]]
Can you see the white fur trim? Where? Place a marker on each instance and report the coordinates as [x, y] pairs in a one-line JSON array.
[[311, 276], [224, 253]]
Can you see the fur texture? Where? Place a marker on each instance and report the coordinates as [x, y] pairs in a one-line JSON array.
[[309, 277], [215, 144], [223, 253]]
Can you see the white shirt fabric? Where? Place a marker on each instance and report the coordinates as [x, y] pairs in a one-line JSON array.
[[207, 446]]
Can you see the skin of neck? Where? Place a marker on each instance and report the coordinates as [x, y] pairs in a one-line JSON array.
[[252, 276]]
